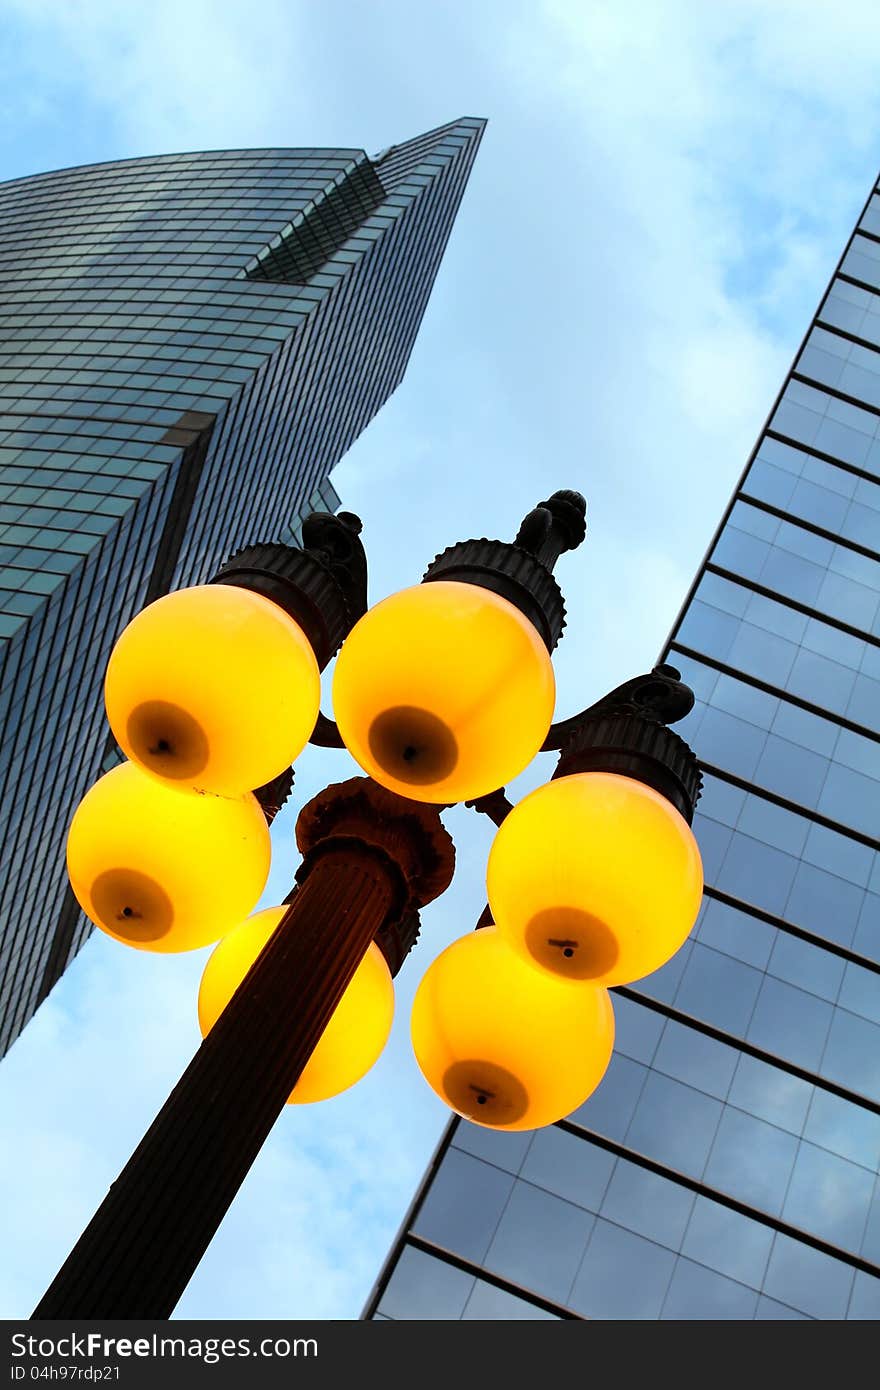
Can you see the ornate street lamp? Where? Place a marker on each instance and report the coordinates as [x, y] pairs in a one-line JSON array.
[[443, 693]]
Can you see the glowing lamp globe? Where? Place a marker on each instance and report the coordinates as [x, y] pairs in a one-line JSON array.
[[165, 870], [213, 687], [506, 1045], [443, 692], [595, 877], [357, 1032]]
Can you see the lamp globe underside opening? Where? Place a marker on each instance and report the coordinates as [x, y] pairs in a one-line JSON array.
[[213, 687], [356, 1033], [595, 877], [443, 692], [503, 1044], [165, 870]]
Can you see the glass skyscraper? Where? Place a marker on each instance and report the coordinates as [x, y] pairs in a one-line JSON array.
[[188, 345], [726, 1168]]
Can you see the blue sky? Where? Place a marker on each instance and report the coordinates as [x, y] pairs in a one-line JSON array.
[[660, 197]]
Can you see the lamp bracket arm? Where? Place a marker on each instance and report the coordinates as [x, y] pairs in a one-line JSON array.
[[326, 733], [495, 805], [660, 696]]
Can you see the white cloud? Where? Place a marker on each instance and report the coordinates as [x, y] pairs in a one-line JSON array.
[[204, 74]]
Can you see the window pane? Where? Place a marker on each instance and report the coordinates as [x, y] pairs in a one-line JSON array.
[[464, 1204], [675, 1124], [771, 1094], [610, 1108], [864, 1303], [637, 1029], [807, 1279], [852, 1056], [770, 1311], [623, 1276], [648, 1204], [844, 1128], [719, 989], [424, 1288], [697, 1293], [829, 1197], [699, 1061], [751, 1160], [726, 1241], [504, 1150], [570, 1167], [540, 1241], [488, 1304], [790, 1023]]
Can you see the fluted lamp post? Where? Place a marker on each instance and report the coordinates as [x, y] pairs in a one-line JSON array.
[[442, 693]]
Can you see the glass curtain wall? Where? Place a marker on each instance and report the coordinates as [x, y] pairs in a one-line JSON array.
[[188, 346]]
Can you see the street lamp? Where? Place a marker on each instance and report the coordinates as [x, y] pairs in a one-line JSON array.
[[357, 1032], [214, 687], [442, 693]]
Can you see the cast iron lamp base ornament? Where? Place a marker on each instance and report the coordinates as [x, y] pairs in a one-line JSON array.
[[618, 809]]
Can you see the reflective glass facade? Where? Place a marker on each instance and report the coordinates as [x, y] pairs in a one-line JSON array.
[[727, 1167], [188, 345]]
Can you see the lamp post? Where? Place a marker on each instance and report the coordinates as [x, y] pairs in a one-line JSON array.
[[442, 693]]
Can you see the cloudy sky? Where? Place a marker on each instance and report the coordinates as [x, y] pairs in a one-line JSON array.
[[661, 195]]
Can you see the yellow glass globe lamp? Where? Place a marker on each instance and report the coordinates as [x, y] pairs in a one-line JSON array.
[[595, 877], [165, 870], [213, 687], [506, 1045], [358, 1029], [443, 691]]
